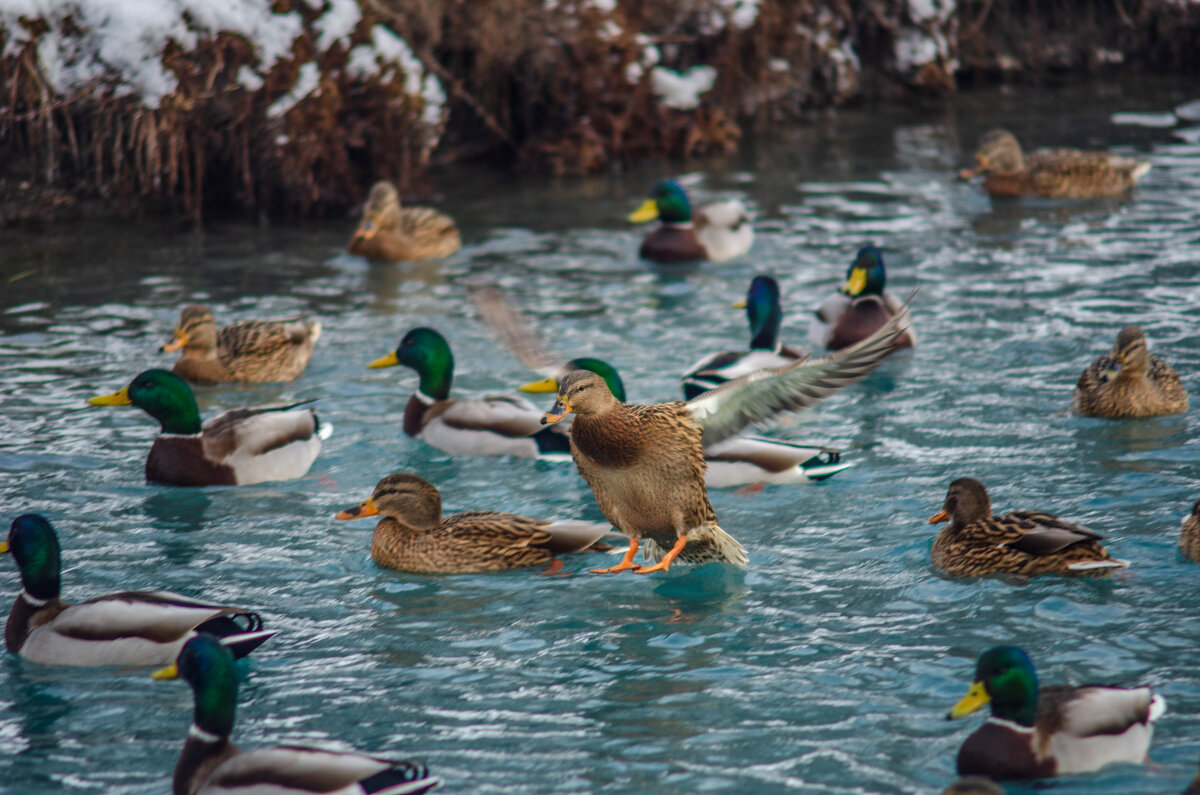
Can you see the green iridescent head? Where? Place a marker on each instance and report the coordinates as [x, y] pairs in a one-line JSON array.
[[208, 667], [164, 396], [426, 351], [667, 202], [866, 275], [1004, 677], [34, 544], [764, 313], [604, 370]]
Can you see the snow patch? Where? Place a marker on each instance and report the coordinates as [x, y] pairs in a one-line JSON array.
[[387, 50], [682, 91], [306, 83], [337, 23]]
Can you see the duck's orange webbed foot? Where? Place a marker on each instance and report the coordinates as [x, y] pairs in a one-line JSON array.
[[626, 562], [665, 563]]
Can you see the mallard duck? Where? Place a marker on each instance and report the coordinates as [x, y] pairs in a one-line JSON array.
[[765, 316], [129, 628], [255, 351], [1129, 383], [387, 232], [1040, 732], [211, 764], [1054, 173], [721, 231], [235, 448], [1194, 787], [1189, 533], [733, 462], [860, 308], [1022, 542], [645, 463], [491, 425], [973, 785], [413, 535]]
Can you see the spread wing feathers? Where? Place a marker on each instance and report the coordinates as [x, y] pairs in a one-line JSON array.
[[296, 770], [760, 396], [1094, 710], [1045, 534], [514, 332], [158, 616], [255, 431], [264, 337], [730, 365], [503, 414]]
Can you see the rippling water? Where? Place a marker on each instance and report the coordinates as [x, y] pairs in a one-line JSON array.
[[828, 666]]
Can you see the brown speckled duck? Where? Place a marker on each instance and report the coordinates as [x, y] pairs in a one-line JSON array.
[[234, 448], [1037, 732], [1189, 534], [413, 536], [977, 543], [389, 232], [1054, 173], [254, 351], [1129, 383], [645, 463]]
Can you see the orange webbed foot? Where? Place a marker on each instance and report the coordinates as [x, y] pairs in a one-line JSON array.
[[626, 562]]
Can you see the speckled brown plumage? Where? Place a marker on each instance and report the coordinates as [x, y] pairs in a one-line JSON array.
[[1189, 534], [1054, 173], [413, 536], [255, 351], [389, 232], [1129, 383], [977, 543], [645, 465]]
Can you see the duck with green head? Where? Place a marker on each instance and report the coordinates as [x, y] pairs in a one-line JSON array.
[[129, 628], [860, 307], [211, 763], [487, 426], [766, 351], [1037, 732], [720, 231], [235, 448]]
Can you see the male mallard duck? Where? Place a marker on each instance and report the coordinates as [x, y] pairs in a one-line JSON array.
[[413, 536], [1040, 732], [254, 351], [765, 316], [1129, 383], [129, 628], [492, 425], [235, 448], [732, 462], [645, 463], [211, 764], [1022, 542], [388, 232], [1054, 173], [1189, 533], [860, 308], [721, 231]]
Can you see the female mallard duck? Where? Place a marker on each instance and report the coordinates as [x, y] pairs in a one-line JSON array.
[[235, 448], [738, 461], [1050, 731], [388, 232], [860, 308], [1022, 542], [129, 628], [492, 425], [721, 231], [1189, 533], [1054, 173], [255, 351], [413, 536], [766, 351], [210, 763], [645, 463], [1129, 383]]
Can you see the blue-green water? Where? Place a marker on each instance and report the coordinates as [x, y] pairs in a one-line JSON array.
[[827, 667]]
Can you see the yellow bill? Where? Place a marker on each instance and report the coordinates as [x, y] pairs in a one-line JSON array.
[[739, 304], [856, 283], [384, 361], [544, 387], [170, 672], [4, 547], [975, 698], [115, 399], [648, 211]]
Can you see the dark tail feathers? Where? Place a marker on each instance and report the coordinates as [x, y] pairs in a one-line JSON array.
[[402, 778], [242, 637]]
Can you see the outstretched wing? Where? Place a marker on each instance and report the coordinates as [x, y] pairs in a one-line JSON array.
[[514, 332], [758, 397]]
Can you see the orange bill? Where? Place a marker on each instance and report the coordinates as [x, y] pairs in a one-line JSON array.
[[562, 407], [177, 342], [364, 508], [940, 517]]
